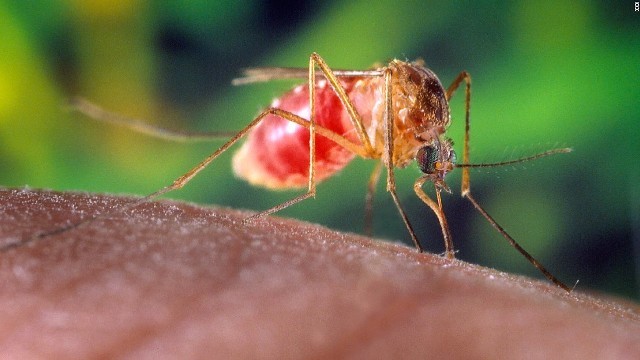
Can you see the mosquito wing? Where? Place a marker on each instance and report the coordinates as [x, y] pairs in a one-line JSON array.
[[262, 74]]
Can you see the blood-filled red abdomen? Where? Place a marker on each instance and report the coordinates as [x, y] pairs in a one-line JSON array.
[[276, 152]]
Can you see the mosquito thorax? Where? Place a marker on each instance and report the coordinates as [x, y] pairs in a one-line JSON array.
[[429, 108]]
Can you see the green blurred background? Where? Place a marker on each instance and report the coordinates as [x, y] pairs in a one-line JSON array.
[[545, 74]]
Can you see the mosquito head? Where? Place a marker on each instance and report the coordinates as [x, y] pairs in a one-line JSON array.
[[435, 160]]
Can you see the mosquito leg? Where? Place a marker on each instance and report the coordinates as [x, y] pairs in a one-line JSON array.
[[185, 178], [355, 118], [368, 201], [310, 124], [436, 207], [366, 150], [178, 183], [463, 76], [517, 246], [466, 185], [311, 192], [96, 112], [387, 157], [263, 74]]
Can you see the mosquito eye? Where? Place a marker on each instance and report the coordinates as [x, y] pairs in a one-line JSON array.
[[427, 157]]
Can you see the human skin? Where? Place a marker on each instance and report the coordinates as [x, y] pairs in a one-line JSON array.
[[174, 280]]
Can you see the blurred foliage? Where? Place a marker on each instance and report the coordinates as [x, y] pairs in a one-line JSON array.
[[545, 74]]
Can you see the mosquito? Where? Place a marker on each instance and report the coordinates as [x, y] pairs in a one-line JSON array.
[[397, 114]]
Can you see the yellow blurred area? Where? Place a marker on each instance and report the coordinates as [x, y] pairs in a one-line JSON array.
[[108, 10], [551, 24]]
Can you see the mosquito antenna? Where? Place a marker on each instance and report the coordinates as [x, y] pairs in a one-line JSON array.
[[520, 160], [96, 112]]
